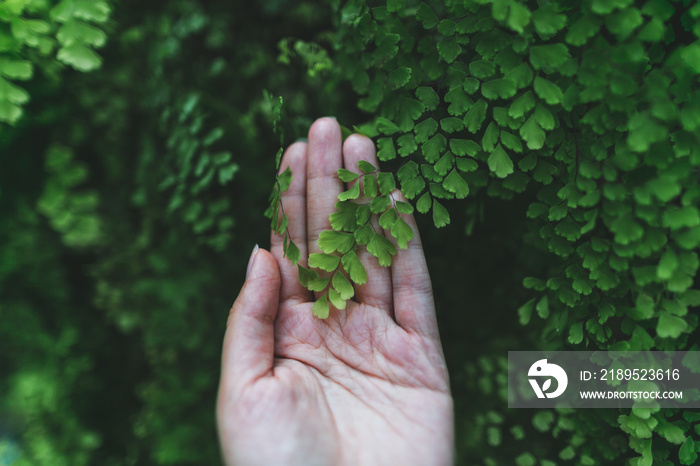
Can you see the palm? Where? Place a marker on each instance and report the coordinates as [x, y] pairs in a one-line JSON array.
[[358, 387]]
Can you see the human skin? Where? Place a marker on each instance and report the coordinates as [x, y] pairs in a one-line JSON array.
[[366, 386]]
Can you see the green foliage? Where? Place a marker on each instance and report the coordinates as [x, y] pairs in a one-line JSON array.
[[40, 34], [562, 137], [590, 111], [126, 223], [339, 264]]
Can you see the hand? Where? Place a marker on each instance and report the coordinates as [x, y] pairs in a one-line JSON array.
[[368, 385]]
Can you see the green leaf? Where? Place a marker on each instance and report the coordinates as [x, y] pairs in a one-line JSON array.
[[434, 148], [626, 229], [403, 233], [501, 88], [16, 69], [380, 204], [463, 147], [624, 22], [382, 249], [78, 31], [423, 204], [525, 312], [544, 117], [335, 299], [449, 50], [291, 252], [9, 112], [327, 262], [672, 433], [687, 454], [475, 116], [354, 268], [583, 29], [521, 75], [576, 333], [310, 279], [490, 139], [532, 134], [511, 141], [547, 20], [352, 193], [331, 241], [445, 163], [362, 215], [343, 286], [518, 17], [386, 182], [394, 5], [522, 105], [344, 218], [451, 124], [320, 308], [427, 16], [347, 176], [548, 91], [542, 420], [454, 183], [386, 150], [667, 265], [676, 218], [643, 308], [548, 56], [425, 129], [499, 162], [399, 77], [364, 234], [447, 27], [440, 215], [386, 126], [482, 69], [366, 167], [388, 218], [691, 56], [285, 179], [670, 326], [404, 207], [460, 102], [428, 97], [645, 131], [370, 184], [79, 57]]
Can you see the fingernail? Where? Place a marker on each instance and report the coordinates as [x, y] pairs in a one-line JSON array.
[[302, 140], [251, 261]]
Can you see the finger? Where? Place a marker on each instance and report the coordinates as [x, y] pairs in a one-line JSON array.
[[249, 341], [377, 291], [414, 308], [322, 182], [294, 205]]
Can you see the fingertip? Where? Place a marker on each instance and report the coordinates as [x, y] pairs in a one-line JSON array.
[[357, 140], [264, 269], [324, 128], [293, 156]]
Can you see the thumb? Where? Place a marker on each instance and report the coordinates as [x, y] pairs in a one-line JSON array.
[[249, 341]]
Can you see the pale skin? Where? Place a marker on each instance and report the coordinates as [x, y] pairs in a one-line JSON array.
[[366, 386]]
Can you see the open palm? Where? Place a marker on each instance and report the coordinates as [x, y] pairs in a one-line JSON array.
[[366, 386]]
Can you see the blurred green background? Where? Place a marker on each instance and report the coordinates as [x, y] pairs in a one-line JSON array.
[[130, 199]]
